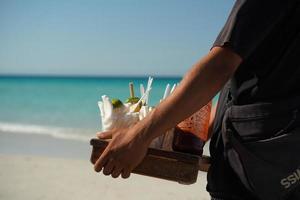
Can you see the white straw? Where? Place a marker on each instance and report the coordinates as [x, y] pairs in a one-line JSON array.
[[150, 80], [167, 91], [173, 88], [142, 89], [149, 87]]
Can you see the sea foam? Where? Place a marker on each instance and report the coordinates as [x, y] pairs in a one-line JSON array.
[[56, 132]]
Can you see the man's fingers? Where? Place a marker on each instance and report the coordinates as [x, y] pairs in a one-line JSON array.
[[101, 161], [126, 173], [104, 135], [108, 168], [116, 172]]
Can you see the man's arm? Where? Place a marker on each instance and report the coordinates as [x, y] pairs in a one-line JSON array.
[[128, 147], [197, 88]]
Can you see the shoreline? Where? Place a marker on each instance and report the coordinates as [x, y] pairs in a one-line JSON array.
[[43, 145], [47, 145]]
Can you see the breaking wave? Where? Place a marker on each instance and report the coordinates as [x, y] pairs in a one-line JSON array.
[[56, 132]]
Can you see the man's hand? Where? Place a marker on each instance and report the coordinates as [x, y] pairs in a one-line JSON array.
[[125, 151]]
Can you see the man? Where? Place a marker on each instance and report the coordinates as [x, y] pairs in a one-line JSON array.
[[257, 50]]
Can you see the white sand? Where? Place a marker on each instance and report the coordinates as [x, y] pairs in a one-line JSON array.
[[34, 177], [36, 167]]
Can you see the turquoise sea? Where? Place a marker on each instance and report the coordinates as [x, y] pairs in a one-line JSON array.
[[64, 107]]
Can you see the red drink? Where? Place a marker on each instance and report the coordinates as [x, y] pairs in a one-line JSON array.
[[191, 134]]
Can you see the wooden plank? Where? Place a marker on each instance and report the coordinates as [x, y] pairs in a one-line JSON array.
[[169, 165]]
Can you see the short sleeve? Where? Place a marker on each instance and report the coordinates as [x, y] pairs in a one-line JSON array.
[[249, 23]]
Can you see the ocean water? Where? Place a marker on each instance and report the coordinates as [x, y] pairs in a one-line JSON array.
[[64, 107]]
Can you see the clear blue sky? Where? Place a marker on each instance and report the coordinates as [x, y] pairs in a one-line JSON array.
[[107, 37]]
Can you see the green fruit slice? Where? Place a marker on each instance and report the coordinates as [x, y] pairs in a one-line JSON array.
[[132, 100], [138, 108], [117, 103]]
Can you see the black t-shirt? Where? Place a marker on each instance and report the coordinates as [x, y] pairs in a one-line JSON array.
[[266, 34]]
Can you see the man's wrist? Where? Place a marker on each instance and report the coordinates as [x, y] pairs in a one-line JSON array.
[[149, 128]]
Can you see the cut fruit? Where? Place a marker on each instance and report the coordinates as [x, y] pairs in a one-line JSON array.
[[117, 103], [132, 100]]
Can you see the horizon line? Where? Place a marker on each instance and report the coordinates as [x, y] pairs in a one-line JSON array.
[[84, 76]]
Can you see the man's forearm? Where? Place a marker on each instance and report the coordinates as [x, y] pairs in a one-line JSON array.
[[196, 89]]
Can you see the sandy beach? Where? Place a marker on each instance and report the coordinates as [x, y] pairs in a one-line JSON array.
[[41, 167]]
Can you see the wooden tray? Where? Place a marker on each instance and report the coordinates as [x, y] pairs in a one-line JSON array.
[[168, 165]]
